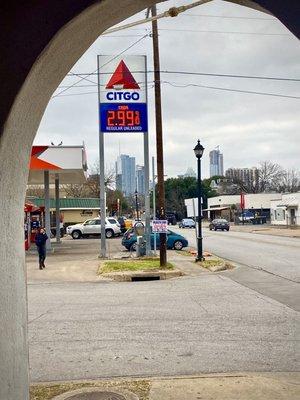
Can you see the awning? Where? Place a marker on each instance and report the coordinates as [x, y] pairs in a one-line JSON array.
[[287, 205], [69, 162], [216, 209]]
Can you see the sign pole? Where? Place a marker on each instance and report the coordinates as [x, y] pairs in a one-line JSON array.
[[147, 178], [101, 176]]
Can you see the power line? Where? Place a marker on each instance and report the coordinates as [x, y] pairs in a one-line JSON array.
[[224, 32], [182, 86], [200, 31], [227, 16], [230, 90], [92, 73], [272, 78]]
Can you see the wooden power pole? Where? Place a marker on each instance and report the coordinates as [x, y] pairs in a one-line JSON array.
[[159, 139]]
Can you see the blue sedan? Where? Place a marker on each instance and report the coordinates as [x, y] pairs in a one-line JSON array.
[[174, 240]]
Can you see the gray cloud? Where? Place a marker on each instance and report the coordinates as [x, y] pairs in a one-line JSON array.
[[249, 128]]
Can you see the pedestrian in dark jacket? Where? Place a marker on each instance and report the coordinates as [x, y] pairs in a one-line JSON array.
[[40, 241]]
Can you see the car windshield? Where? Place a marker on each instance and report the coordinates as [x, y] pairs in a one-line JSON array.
[[220, 221]]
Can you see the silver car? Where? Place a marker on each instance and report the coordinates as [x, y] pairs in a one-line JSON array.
[[93, 227], [187, 223]]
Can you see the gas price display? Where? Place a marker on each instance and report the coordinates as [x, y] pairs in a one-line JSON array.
[[123, 117]]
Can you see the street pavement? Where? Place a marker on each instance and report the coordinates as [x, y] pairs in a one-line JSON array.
[[191, 325], [265, 263]]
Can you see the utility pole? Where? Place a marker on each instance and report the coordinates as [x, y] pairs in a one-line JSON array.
[[159, 138]]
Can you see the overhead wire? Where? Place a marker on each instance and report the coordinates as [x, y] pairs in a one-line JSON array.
[[228, 16], [230, 90], [92, 73], [272, 78], [182, 86]]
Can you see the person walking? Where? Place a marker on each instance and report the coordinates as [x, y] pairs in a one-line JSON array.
[[40, 241]]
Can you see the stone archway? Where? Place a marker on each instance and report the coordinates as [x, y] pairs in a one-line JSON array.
[[39, 45]]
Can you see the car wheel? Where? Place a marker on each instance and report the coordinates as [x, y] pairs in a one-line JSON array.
[[76, 235], [216, 229], [227, 229], [133, 247], [178, 245], [109, 233]]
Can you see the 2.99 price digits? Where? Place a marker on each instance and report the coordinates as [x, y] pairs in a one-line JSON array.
[[123, 118]]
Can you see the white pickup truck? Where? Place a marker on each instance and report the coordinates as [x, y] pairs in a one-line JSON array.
[[93, 227]]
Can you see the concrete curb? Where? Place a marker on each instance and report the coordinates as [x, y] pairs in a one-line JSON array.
[[68, 395], [158, 274]]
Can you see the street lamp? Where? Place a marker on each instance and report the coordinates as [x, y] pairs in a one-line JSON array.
[[198, 150], [136, 205]]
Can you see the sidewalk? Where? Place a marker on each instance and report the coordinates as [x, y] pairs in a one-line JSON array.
[[238, 386], [267, 230]]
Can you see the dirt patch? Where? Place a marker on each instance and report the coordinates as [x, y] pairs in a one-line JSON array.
[[47, 391]]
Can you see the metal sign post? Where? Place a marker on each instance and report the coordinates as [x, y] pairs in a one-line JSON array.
[[101, 177], [122, 88]]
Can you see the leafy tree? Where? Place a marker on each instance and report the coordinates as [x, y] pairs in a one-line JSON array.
[[179, 189]]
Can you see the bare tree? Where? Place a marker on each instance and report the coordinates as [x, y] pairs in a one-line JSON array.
[[91, 188], [93, 181], [270, 176], [76, 190], [290, 181], [35, 191]]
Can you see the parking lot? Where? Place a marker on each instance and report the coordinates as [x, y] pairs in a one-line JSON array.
[[71, 260]]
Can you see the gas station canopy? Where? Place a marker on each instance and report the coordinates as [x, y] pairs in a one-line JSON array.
[[69, 162]]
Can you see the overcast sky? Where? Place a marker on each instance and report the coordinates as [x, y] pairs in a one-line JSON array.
[[248, 128]]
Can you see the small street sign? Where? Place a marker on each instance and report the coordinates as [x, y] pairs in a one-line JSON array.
[[160, 226]]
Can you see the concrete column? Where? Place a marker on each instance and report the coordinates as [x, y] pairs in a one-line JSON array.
[[57, 208], [14, 368], [47, 208]]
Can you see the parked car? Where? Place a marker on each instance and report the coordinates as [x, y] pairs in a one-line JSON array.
[[221, 224], [174, 240], [171, 217], [93, 227], [122, 222], [187, 223], [246, 216]]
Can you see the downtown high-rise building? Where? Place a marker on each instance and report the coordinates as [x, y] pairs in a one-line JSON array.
[[126, 174], [248, 176], [140, 179], [216, 163]]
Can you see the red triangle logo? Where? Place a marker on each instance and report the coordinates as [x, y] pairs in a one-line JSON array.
[[122, 78]]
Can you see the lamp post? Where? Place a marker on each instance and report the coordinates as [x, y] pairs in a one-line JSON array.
[[136, 205], [198, 150]]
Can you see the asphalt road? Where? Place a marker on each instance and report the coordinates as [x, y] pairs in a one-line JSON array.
[[277, 255], [270, 265]]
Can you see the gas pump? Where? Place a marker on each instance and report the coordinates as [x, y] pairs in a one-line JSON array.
[[34, 218], [37, 220], [27, 225]]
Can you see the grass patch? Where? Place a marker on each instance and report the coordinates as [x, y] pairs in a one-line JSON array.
[[46, 392], [211, 263], [184, 253], [145, 264]]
